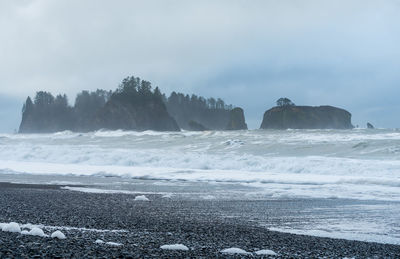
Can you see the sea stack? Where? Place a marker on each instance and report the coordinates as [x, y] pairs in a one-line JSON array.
[[306, 117], [370, 126], [132, 106], [121, 113], [236, 120]]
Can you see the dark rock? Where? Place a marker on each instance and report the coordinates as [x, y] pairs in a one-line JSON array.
[[212, 113], [236, 120], [195, 126], [306, 117], [370, 126], [149, 115], [133, 106]]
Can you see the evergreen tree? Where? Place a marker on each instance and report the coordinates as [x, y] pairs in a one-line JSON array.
[[28, 106], [281, 102], [43, 99]]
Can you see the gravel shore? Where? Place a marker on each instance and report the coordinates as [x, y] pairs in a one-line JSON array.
[[144, 226]]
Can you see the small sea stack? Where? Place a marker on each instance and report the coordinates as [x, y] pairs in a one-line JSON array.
[[237, 120]]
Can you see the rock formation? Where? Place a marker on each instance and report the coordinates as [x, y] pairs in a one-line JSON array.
[[133, 106], [236, 120], [195, 126], [149, 115], [306, 117], [370, 126], [210, 112]]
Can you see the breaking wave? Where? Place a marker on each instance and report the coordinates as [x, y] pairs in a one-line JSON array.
[[361, 164]]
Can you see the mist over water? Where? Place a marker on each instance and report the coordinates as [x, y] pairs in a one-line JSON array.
[[356, 164]]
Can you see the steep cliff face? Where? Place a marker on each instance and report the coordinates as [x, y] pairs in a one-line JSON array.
[[306, 117], [211, 113], [149, 115], [236, 120], [210, 119]]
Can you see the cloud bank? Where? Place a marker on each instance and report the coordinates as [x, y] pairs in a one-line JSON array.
[[250, 53]]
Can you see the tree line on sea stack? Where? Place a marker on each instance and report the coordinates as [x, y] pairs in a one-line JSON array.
[[135, 105]]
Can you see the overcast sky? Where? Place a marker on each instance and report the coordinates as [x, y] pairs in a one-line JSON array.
[[249, 53]]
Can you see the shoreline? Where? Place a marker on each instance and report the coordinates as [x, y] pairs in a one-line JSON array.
[[198, 224]]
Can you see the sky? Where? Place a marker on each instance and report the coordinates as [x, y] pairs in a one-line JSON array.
[[249, 53]]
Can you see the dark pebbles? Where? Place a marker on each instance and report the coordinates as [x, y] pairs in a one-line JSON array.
[[195, 223]]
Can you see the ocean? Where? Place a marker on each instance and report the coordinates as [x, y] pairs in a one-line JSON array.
[[358, 169]]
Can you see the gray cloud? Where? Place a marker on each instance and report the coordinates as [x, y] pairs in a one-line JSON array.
[[343, 53]]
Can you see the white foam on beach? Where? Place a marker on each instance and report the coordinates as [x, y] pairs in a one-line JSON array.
[[108, 191], [330, 182], [37, 232], [58, 234], [10, 227], [178, 247], [265, 252], [21, 229], [339, 234], [141, 198], [17, 226], [101, 242], [234, 250], [168, 196], [113, 244]]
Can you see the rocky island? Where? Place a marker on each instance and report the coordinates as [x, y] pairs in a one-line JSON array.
[[286, 115], [236, 120], [133, 106]]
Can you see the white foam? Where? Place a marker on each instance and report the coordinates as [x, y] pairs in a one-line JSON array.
[[178, 247], [265, 252], [338, 234], [234, 250], [208, 197], [101, 242], [141, 198], [11, 227], [108, 191], [37, 232], [67, 228], [85, 229], [314, 177], [113, 244], [58, 234]]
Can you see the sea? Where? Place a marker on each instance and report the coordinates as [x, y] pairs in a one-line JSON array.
[[329, 183]]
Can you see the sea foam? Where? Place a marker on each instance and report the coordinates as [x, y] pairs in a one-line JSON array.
[[358, 164]]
